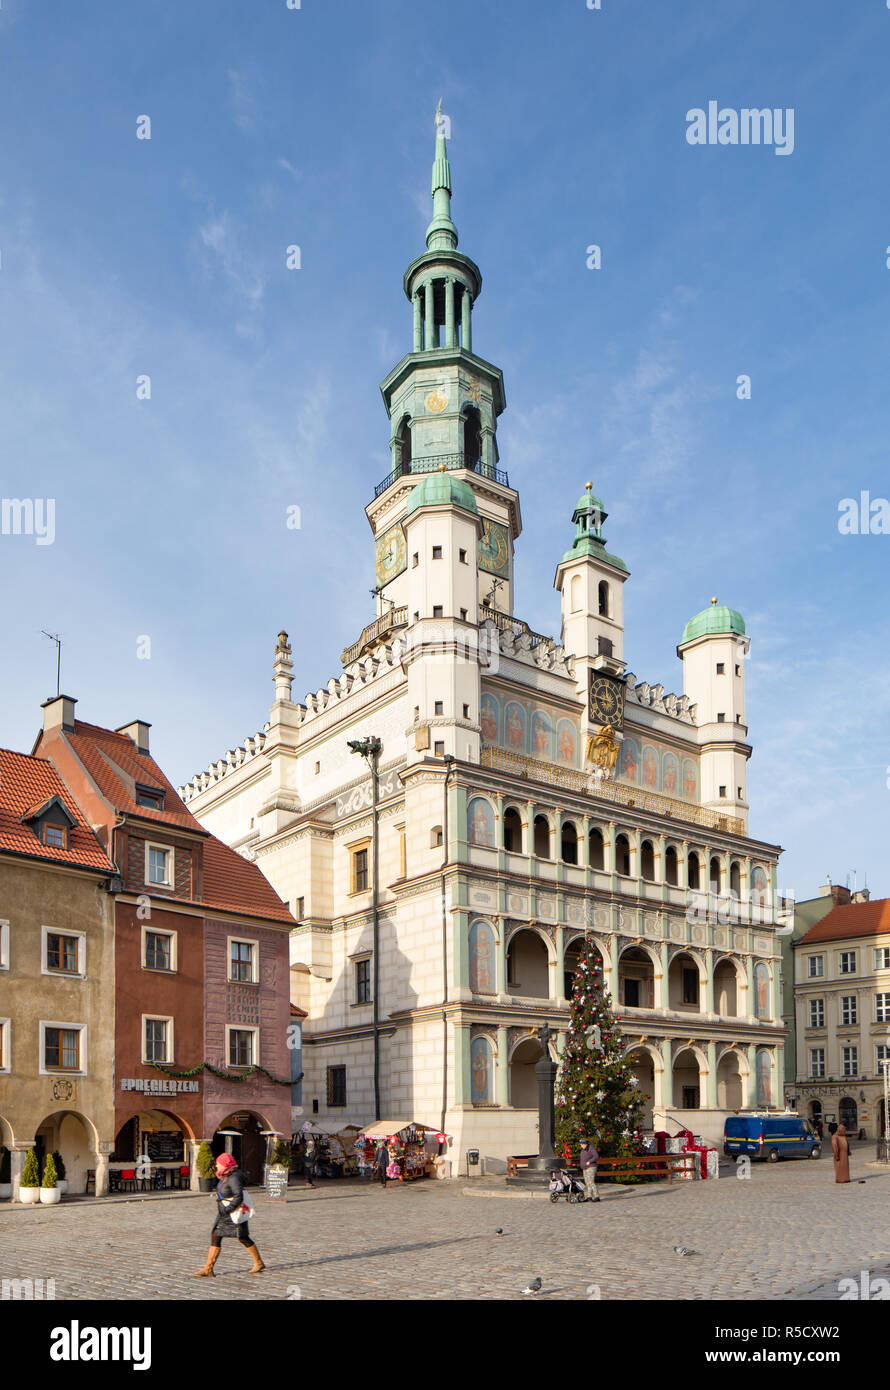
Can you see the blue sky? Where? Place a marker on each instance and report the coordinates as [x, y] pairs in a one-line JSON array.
[[271, 127]]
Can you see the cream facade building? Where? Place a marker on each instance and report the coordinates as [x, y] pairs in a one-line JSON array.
[[531, 790]]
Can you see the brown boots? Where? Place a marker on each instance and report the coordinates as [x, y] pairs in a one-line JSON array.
[[258, 1265], [207, 1271]]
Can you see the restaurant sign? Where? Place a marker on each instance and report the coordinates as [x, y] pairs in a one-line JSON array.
[[161, 1086]]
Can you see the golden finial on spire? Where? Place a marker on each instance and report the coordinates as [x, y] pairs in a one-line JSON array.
[[714, 599], [588, 487]]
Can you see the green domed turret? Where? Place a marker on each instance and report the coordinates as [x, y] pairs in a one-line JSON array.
[[588, 516], [716, 620], [441, 490]]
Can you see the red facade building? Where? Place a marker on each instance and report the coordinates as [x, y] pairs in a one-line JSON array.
[[201, 960]]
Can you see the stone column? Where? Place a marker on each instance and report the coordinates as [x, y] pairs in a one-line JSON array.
[[712, 1075], [751, 1000], [465, 329], [545, 1075], [709, 981], [612, 971], [779, 1053], [560, 962], [667, 1083], [462, 1082], [663, 1001], [502, 1079], [461, 922], [501, 957], [751, 1053], [429, 327], [106, 1149], [418, 322], [450, 339], [192, 1146], [17, 1155]]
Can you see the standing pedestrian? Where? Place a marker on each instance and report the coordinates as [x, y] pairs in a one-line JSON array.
[[229, 1197], [589, 1160], [840, 1152], [310, 1159], [381, 1160]]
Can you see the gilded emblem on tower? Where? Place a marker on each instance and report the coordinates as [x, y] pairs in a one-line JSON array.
[[494, 549], [390, 555], [436, 401]]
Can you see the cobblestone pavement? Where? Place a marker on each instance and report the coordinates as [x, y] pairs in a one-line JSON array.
[[788, 1232]]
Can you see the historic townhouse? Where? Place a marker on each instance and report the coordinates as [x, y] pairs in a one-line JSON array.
[[842, 1007], [530, 791], [56, 974], [201, 994]]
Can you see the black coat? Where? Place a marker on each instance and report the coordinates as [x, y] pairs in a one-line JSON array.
[[229, 1197]]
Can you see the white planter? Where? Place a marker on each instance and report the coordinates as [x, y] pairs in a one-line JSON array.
[[49, 1196], [62, 1185], [29, 1195], [5, 1191]]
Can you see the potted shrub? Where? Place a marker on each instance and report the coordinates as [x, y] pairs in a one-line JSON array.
[[29, 1188], [61, 1177], [206, 1166], [49, 1191], [5, 1175]]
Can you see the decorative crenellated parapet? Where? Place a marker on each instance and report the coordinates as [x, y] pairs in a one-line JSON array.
[[234, 759]]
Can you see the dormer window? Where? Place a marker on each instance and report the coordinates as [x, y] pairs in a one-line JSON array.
[[51, 822], [150, 797]]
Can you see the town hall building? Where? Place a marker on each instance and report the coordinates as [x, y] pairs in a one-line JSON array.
[[521, 791]]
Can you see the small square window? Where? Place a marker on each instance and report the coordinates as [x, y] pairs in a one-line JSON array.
[[359, 870], [156, 1040], [301, 909], [417, 617], [317, 768], [463, 615], [242, 963], [415, 560], [55, 836], [721, 718], [61, 1049], [722, 791], [439, 707], [336, 1086], [437, 552], [439, 750], [740, 797], [363, 982], [241, 1047], [721, 669], [738, 670], [159, 866], [158, 950], [437, 610], [463, 557], [62, 953], [466, 711]]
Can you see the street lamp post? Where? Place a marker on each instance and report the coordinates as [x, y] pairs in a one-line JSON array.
[[370, 749]]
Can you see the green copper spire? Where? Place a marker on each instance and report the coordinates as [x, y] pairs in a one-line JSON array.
[[588, 516], [441, 234]]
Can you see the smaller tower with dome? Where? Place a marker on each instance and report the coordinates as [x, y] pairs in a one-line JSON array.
[[713, 648]]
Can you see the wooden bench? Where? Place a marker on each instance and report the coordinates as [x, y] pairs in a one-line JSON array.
[[652, 1165], [517, 1161]]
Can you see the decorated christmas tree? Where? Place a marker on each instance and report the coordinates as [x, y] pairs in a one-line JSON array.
[[597, 1096]]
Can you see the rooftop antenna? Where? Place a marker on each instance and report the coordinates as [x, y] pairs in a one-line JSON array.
[[56, 637], [854, 880]]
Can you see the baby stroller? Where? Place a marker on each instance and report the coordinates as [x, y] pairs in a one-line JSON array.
[[562, 1185]]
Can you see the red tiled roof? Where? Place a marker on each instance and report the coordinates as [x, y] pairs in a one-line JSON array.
[[851, 919], [297, 1012], [235, 884], [26, 784]]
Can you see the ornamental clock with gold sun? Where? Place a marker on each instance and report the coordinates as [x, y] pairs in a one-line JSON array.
[[606, 700], [494, 549], [390, 555]]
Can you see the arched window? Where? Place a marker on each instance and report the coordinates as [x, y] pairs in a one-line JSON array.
[[603, 598], [622, 855], [403, 443], [472, 437], [647, 861], [542, 837], [671, 871], [569, 843], [576, 593], [436, 837], [715, 874], [692, 870], [512, 830], [596, 849], [735, 879]]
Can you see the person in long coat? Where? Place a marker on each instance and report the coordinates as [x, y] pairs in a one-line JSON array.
[[229, 1197], [381, 1162], [840, 1152]]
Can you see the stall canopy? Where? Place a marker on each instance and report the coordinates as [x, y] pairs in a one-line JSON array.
[[385, 1129]]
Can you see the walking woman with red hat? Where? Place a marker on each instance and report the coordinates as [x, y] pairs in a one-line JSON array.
[[229, 1198]]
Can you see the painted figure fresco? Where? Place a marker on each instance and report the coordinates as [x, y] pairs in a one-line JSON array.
[[761, 990], [758, 885], [515, 720], [670, 774], [481, 958], [690, 780], [481, 1069], [542, 735], [650, 768], [567, 742], [630, 759], [489, 720], [764, 1079], [480, 822]]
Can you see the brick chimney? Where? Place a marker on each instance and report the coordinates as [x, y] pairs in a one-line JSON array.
[[58, 713], [837, 892], [138, 732]]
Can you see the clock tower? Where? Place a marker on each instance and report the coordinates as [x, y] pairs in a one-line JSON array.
[[443, 402]]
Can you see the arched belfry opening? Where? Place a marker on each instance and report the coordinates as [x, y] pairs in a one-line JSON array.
[[472, 437], [403, 445]]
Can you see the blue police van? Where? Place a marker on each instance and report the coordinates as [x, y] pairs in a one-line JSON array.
[[770, 1136]]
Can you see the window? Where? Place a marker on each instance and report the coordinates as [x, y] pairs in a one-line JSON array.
[[439, 707], [317, 768], [721, 718], [436, 837], [5, 1058], [157, 1039], [301, 909], [363, 982], [882, 1008], [722, 791], [882, 958], [55, 836], [541, 836], [463, 556], [815, 967], [850, 1061], [463, 614], [415, 560], [622, 855], [604, 646], [439, 749], [4, 945], [848, 962], [63, 953], [512, 830], [359, 870], [241, 1046], [817, 1062], [596, 851], [647, 861], [721, 669], [739, 794], [848, 1009], [817, 1013], [690, 986], [569, 845], [632, 993], [670, 866], [466, 711], [336, 1086], [437, 610], [159, 866], [158, 950], [437, 552], [738, 670], [242, 961], [61, 1047], [692, 870], [150, 797], [602, 595], [882, 1058]]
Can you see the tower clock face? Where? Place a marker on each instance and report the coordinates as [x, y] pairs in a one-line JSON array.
[[606, 704], [494, 549], [390, 555]]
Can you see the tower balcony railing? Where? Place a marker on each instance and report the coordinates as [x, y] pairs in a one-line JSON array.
[[371, 635], [434, 462]]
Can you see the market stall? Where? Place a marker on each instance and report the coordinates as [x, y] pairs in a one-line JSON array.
[[412, 1148]]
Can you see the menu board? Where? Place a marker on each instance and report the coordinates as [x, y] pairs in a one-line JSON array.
[[276, 1183], [165, 1147]]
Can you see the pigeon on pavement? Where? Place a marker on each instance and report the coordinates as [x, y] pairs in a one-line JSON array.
[[499, 1230], [684, 1250], [534, 1286]]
